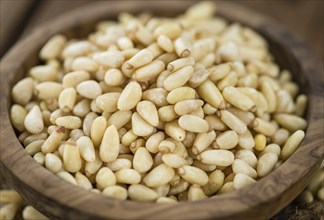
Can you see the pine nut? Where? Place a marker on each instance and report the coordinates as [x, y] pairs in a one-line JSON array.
[[148, 112], [97, 131], [169, 29], [203, 141], [130, 96], [72, 79], [86, 148], [290, 122], [119, 118], [217, 157], [210, 93], [301, 104], [246, 140], [193, 123], [47, 90], [8, 211], [266, 164], [53, 162], [10, 196], [53, 141], [233, 122], [166, 146], [109, 58], [71, 157], [316, 181], [69, 122], [105, 177], [17, 116], [292, 144], [108, 102], [165, 43], [149, 71], [128, 176], [83, 181], [158, 176], [240, 166], [227, 140], [173, 160], [109, 147], [236, 98], [53, 48], [142, 58], [67, 99], [178, 78], [263, 127], [138, 192], [215, 182], [22, 92], [93, 166], [44, 73], [193, 175], [242, 180], [143, 160], [215, 123], [34, 121], [116, 192], [84, 63], [67, 177], [34, 147], [140, 126], [248, 157], [187, 106]]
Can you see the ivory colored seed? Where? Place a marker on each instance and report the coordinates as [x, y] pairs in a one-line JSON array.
[[157, 95], [153, 142], [246, 140], [248, 157], [149, 71], [178, 78], [165, 43], [215, 123], [270, 96], [83, 181], [271, 148], [187, 106], [173, 160], [217, 157], [182, 186], [128, 176], [242, 180], [17, 116], [87, 122], [89, 89], [53, 47], [193, 123], [8, 211], [142, 58], [119, 118], [22, 92], [170, 29], [167, 113], [238, 99], [301, 104], [72, 79], [84, 63], [109, 147], [182, 47], [230, 80], [71, 157], [53, 162], [148, 112], [292, 144], [104, 178], [195, 193], [160, 175], [166, 200], [82, 108], [34, 147], [266, 164], [174, 130], [143, 160], [260, 142], [240, 166], [140, 126], [166, 146], [108, 101], [69, 122], [98, 129], [47, 90], [34, 121], [119, 163], [130, 96], [263, 127], [10, 196], [67, 99], [93, 166], [233, 122], [210, 93], [203, 141], [215, 182], [227, 140], [54, 140], [290, 122], [203, 166], [193, 175], [138, 192], [180, 94], [34, 137], [116, 192], [112, 59], [86, 148], [245, 116], [320, 194], [44, 73], [67, 177]]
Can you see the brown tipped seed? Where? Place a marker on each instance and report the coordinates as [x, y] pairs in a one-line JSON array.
[[140, 126], [180, 63], [53, 162], [203, 141], [53, 47], [98, 129], [248, 157], [44, 73], [128, 176], [166, 146], [217, 157], [34, 121], [193, 123], [22, 92], [263, 127], [72, 79], [292, 144], [227, 140], [130, 96], [143, 160], [86, 148], [67, 177], [109, 148], [116, 192], [69, 122], [238, 99], [142, 58], [193, 175], [165, 43], [290, 122], [233, 122], [183, 47], [158, 176], [149, 71], [71, 157], [119, 118], [148, 112], [83, 181], [240, 166], [114, 77], [246, 140], [266, 164], [54, 140], [178, 78], [108, 102], [104, 178], [173, 160], [17, 116], [112, 59], [242, 180], [195, 193], [215, 182], [138, 192], [67, 99], [187, 106], [47, 90], [89, 89], [174, 130], [210, 93]]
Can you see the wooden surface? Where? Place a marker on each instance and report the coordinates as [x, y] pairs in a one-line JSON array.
[[58, 199]]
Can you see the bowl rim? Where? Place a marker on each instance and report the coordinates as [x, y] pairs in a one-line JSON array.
[[29, 174]]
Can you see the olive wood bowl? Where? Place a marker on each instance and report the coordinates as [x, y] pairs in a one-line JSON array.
[[58, 199]]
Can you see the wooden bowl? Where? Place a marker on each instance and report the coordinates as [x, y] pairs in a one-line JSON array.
[[61, 200]]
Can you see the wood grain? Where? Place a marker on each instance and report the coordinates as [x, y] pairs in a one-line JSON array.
[[60, 200]]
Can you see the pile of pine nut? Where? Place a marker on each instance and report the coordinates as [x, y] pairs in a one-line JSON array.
[[158, 109]]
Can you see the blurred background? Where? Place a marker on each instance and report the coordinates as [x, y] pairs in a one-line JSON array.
[[303, 17]]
